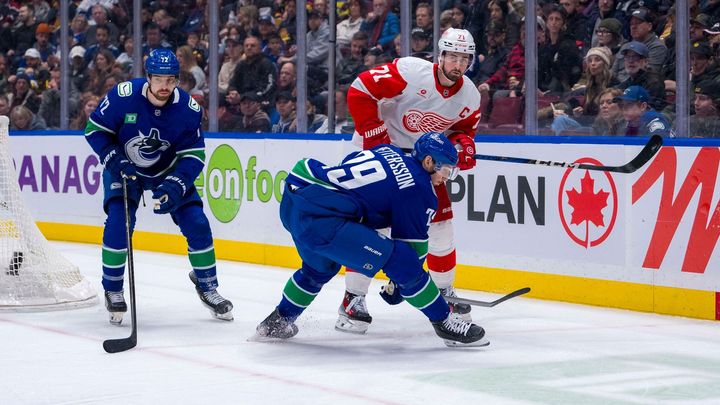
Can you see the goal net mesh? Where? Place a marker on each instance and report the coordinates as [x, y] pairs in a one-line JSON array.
[[33, 275]]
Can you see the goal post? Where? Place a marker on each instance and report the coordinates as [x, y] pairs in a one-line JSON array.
[[34, 276]]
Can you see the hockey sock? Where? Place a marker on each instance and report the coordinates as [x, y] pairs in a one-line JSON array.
[[356, 283], [113, 266], [427, 299], [442, 268], [203, 264], [114, 249], [300, 291]]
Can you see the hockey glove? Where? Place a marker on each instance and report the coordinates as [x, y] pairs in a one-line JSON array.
[[118, 164], [390, 292], [376, 136], [465, 146], [168, 195]]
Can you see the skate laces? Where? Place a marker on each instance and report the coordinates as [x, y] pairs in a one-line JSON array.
[[115, 297], [213, 297], [457, 325], [357, 304]]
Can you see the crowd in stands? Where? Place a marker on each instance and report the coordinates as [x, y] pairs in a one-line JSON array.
[[605, 67]]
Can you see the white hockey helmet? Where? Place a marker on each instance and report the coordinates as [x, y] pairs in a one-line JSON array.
[[457, 40]]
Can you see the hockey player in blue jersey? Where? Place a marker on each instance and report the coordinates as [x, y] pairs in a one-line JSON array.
[[148, 131], [332, 213]]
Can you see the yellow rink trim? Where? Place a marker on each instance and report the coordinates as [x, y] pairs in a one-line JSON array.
[[607, 293]]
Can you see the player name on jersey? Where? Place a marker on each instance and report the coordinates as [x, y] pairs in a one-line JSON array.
[[402, 174]]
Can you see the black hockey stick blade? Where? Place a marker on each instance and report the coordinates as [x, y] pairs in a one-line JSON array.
[[488, 304], [647, 153], [120, 345]]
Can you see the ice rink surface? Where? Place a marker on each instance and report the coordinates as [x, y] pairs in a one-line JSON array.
[[541, 352]]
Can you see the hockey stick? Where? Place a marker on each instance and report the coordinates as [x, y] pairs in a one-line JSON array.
[[489, 304], [123, 344], [643, 157]]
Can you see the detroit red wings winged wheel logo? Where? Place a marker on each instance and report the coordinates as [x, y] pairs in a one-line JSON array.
[[419, 121], [592, 207]]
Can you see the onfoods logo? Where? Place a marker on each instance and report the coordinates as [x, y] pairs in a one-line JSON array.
[[225, 184]]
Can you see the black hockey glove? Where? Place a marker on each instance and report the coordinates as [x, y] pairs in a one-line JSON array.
[[390, 292], [118, 164], [168, 195]]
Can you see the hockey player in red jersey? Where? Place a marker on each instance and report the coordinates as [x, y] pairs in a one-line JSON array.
[[396, 103]]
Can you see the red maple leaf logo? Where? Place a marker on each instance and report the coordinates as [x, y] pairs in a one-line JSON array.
[[587, 204]]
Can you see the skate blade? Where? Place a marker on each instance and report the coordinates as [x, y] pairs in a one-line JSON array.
[[116, 318], [347, 325], [265, 339], [480, 343], [227, 316]]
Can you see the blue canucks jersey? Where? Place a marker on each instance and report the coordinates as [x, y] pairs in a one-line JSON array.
[[392, 189], [157, 140]]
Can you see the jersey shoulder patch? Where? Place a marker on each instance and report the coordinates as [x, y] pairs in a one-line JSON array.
[[193, 104], [125, 89]]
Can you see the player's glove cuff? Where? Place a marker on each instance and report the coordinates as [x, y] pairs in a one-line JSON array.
[[376, 136]]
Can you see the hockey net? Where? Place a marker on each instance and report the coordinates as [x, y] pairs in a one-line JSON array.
[[33, 275]]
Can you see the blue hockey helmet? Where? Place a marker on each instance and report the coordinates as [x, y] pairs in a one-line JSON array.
[[162, 62], [441, 150]]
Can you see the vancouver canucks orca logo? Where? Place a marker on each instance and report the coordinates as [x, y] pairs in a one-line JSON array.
[[145, 151]]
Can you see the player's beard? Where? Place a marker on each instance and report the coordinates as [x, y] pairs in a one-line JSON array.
[[163, 98], [453, 75]]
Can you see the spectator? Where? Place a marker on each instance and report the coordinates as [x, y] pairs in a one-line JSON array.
[[499, 10], [348, 27], [596, 79], [233, 52], [50, 101], [424, 20], [559, 60], [189, 64], [248, 17], [230, 115], [576, 25], [169, 27], [285, 106], [24, 32], [705, 123], [275, 48], [102, 41], [266, 28], [609, 35], [4, 74], [101, 68], [698, 25], [287, 26], [420, 44], [343, 124], [43, 12], [496, 54], [255, 73], [349, 67], [154, 39], [635, 58], [23, 94], [318, 48], [31, 61], [701, 66], [610, 120], [4, 105], [254, 119], [42, 41], [199, 48], [23, 119], [381, 25], [641, 25], [78, 28], [100, 19], [89, 104], [287, 78], [607, 9], [126, 57], [187, 82], [78, 71], [642, 119], [460, 12]]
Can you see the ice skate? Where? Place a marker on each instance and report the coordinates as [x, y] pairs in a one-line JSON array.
[[461, 310], [116, 306], [219, 307], [276, 326], [353, 314], [456, 332]]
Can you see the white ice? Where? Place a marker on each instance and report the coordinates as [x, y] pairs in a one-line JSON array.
[[541, 352]]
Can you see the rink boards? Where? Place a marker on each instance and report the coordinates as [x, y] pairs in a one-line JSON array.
[[645, 241]]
